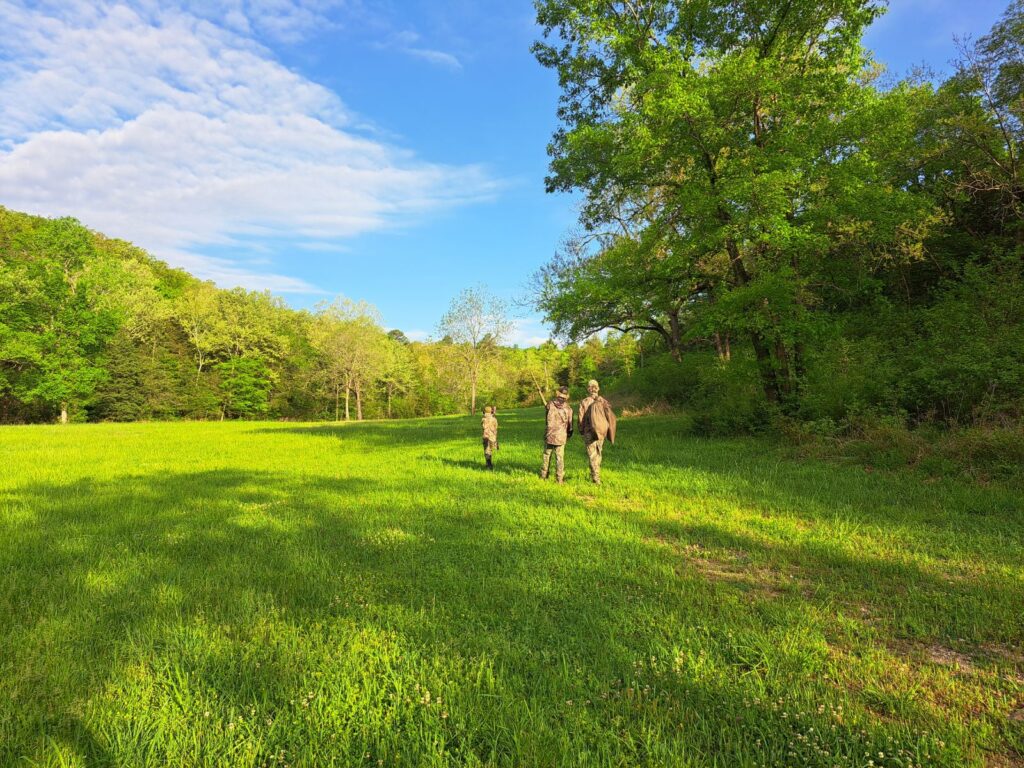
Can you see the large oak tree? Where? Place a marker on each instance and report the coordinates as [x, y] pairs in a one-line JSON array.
[[742, 140]]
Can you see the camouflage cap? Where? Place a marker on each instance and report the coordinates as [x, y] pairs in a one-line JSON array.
[[487, 409], [592, 384], [564, 391]]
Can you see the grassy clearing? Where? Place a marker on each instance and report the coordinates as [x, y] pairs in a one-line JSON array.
[[273, 594]]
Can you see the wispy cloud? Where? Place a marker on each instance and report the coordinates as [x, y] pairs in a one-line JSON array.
[[410, 43], [434, 57], [177, 130]]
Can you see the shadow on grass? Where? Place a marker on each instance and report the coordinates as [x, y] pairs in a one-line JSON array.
[[524, 424], [952, 525], [502, 465], [99, 573]]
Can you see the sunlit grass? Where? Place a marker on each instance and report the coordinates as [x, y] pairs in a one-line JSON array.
[[268, 594]]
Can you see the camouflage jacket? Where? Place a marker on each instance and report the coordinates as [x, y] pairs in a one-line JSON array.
[[490, 427], [559, 422]]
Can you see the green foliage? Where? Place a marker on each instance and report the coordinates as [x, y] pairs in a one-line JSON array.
[[749, 187], [245, 384], [968, 360], [475, 325], [721, 397], [733, 150], [764, 229], [100, 327], [53, 317]]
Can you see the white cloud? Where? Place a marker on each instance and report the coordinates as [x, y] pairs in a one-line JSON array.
[[227, 273], [528, 332], [152, 123]]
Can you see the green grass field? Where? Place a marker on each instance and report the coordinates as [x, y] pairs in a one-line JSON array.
[[246, 594]]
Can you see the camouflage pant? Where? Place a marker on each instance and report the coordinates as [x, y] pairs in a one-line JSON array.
[[489, 446], [594, 446], [559, 451]]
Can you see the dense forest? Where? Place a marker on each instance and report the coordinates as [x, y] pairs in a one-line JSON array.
[[772, 231]]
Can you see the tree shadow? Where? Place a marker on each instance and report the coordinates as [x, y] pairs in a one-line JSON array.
[[456, 568], [950, 516], [910, 601], [520, 426], [502, 466]]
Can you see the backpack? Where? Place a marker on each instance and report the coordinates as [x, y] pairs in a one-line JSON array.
[[601, 419]]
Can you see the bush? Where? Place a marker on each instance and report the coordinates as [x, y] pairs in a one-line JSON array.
[[724, 398], [967, 363]]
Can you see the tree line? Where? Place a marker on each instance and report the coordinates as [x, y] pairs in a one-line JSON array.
[[801, 234], [770, 227], [95, 329]]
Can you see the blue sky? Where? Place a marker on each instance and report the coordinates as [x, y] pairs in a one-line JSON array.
[[386, 151]]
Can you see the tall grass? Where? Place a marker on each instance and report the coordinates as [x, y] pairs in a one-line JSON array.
[[305, 595]]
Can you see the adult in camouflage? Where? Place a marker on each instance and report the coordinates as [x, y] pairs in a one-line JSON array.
[[597, 423], [558, 430]]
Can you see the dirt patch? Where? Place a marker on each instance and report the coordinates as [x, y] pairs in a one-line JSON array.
[[1013, 655], [947, 657], [918, 654], [1004, 761], [731, 566], [1009, 661]]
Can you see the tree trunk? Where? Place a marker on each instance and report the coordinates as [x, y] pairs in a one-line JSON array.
[[766, 367], [63, 413], [389, 402], [765, 363], [337, 402], [359, 402], [728, 348], [673, 336], [472, 395], [718, 345], [347, 391], [799, 363]]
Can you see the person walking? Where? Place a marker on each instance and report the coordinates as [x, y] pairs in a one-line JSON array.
[[558, 430], [597, 423], [490, 433]]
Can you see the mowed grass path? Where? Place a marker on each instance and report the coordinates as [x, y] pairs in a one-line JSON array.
[[246, 594]]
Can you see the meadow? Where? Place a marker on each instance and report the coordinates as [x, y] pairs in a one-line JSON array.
[[274, 594]]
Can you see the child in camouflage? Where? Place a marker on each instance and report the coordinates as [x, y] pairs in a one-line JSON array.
[[490, 427]]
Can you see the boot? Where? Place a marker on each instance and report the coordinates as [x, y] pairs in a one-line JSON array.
[[490, 464]]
